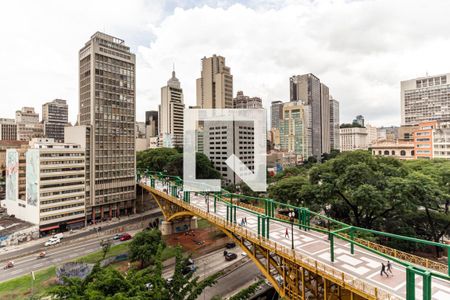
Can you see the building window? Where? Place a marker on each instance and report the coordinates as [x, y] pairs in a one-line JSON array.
[[386, 152], [379, 152], [402, 153], [393, 152]]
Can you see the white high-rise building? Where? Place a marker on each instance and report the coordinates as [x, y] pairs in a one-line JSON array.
[[425, 99], [171, 112], [55, 185]]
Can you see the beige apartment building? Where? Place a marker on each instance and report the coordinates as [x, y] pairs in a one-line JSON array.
[[425, 99], [8, 129], [398, 149], [215, 86], [55, 185], [107, 106], [28, 126]]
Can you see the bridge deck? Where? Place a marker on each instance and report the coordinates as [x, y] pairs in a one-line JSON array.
[[362, 264]]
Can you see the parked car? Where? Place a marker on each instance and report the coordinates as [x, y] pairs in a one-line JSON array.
[[125, 237], [230, 256], [230, 245], [117, 236], [59, 236], [52, 241]]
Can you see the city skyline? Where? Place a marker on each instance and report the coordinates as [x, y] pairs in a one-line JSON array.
[[360, 75]]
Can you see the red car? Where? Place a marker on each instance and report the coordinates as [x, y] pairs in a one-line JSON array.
[[125, 237]]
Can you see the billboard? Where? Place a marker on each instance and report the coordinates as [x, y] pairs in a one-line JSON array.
[[32, 177], [12, 174]]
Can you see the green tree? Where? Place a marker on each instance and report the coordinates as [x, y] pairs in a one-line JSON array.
[[247, 292], [170, 160], [144, 246]]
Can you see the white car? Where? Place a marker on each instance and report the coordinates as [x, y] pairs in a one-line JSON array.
[[52, 241], [59, 236]]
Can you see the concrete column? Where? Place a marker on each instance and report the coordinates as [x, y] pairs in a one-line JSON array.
[[194, 224], [166, 228]]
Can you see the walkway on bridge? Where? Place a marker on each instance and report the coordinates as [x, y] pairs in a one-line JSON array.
[[362, 265]]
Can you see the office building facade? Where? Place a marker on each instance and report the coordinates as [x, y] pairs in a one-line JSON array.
[[28, 126], [171, 114], [334, 124], [8, 130], [151, 123], [295, 130], [55, 185], [55, 116], [353, 138], [308, 89], [425, 99], [221, 139], [246, 102], [276, 113], [215, 85], [108, 108]]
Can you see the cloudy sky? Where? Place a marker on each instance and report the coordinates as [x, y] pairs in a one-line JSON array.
[[360, 49]]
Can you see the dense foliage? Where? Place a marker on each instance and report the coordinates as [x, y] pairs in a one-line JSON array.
[[409, 198], [137, 284], [170, 160]]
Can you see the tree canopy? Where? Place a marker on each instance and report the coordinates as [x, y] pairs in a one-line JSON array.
[[378, 193], [170, 160]]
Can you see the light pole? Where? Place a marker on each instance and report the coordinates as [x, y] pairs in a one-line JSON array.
[[207, 202], [291, 218]]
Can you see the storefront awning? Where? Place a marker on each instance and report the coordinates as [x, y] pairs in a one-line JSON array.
[[49, 228]]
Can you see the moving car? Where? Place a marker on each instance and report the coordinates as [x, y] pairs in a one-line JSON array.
[[189, 269], [230, 256], [230, 245], [52, 241], [117, 236], [125, 237], [59, 236]]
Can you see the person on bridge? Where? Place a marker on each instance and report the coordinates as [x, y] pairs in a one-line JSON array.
[[383, 270], [389, 267], [245, 221], [286, 233]]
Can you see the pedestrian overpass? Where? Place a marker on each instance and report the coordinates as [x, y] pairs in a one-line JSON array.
[[320, 258]]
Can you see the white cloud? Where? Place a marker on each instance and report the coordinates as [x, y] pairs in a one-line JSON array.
[[360, 49]]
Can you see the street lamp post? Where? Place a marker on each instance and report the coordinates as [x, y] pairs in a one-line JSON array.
[[291, 218], [207, 202]]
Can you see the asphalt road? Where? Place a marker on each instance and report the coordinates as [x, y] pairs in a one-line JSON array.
[[36, 248], [55, 256], [209, 263], [232, 282]]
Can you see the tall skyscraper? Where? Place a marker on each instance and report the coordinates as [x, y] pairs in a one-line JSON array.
[[246, 102], [171, 112], [55, 118], [151, 123], [308, 89], [8, 130], [425, 99], [334, 124], [108, 107], [215, 86], [28, 125], [276, 113]]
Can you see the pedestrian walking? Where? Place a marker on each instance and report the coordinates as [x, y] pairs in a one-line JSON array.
[[389, 267], [286, 233], [245, 221], [383, 270]]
